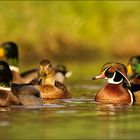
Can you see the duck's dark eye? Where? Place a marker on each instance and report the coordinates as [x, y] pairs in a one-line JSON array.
[[109, 74], [49, 66]]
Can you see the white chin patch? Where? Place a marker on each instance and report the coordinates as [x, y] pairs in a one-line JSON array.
[[5, 88], [14, 68]]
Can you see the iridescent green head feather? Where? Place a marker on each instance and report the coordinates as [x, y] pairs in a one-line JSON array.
[[61, 68], [10, 52], [134, 65]]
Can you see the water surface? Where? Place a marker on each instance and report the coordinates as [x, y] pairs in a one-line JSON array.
[[77, 118]]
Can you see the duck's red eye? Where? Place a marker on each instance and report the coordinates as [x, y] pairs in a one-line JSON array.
[[109, 72], [111, 69]]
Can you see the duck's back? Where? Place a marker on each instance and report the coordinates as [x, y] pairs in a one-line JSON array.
[[27, 94], [59, 91], [62, 87]]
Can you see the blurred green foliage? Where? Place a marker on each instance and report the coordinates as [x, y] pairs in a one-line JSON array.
[[107, 27]]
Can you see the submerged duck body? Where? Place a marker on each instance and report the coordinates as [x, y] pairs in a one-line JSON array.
[[53, 92], [28, 95], [7, 98]]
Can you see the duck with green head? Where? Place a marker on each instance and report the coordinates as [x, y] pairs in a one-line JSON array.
[[61, 73], [134, 69], [6, 96], [9, 51], [16, 94]]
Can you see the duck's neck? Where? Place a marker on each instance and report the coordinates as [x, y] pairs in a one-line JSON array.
[[14, 68], [49, 80], [5, 85], [13, 62]]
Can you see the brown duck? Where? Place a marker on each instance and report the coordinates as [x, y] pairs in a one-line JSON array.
[[48, 87], [118, 89]]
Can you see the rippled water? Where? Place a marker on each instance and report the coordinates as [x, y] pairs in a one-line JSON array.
[[77, 118]]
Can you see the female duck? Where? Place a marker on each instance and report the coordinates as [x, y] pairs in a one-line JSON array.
[[48, 87]]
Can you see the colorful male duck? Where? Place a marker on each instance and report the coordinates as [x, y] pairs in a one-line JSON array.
[[117, 90], [16, 94], [9, 50], [6, 96], [134, 69], [48, 87], [61, 73]]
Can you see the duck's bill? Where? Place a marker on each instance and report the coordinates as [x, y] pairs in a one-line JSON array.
[[101, 76], [2, 52], [129, 70]]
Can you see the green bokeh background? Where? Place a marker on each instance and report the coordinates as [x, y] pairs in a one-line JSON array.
[[71, 30]]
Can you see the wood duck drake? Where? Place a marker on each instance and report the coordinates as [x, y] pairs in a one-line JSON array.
[[48, 87], [9, 51], [6, 96], [118, 89], [134, 69]]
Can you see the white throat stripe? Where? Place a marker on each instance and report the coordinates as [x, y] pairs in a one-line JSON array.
[[14, 68], [5, 88]]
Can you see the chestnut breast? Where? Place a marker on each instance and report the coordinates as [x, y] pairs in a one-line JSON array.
[[113, 93]]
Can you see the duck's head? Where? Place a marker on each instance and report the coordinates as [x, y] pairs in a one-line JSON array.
[[5, 74], [114, 73], [9, 51], [62, 69], [46, 72], [134, 66]]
